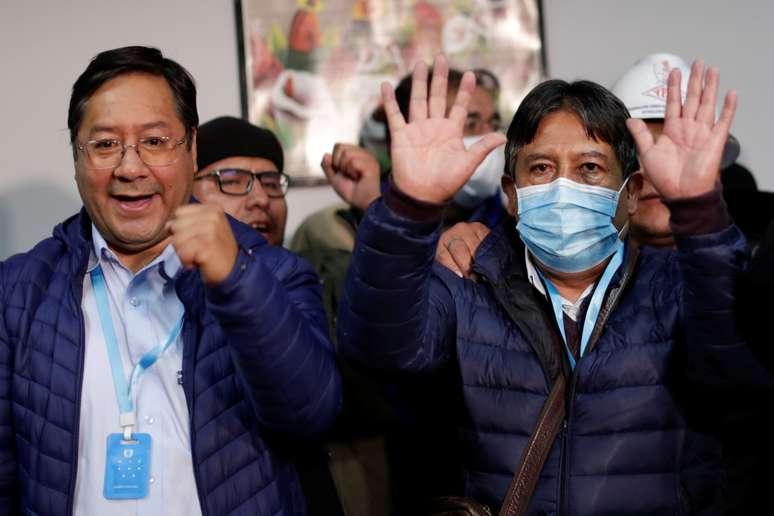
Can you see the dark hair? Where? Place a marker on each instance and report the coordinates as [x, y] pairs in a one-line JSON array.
[[603, 117], [110, 64]]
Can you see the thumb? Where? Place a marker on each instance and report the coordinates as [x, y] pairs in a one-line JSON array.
[[485, 145]]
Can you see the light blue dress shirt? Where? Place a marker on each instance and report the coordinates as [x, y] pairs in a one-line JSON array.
[[145, 308]]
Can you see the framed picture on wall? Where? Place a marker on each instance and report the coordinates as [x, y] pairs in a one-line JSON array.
[[311, 69]]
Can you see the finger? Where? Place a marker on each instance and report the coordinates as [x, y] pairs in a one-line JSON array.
[[395, 120], [485, 145], [461, 255], [693, 94], [727, 115], [459, 111], [352, 168], [643, 138], [444, 257], [418, 102], [327, 166], [472, 237], [674, 101], [480, 230], [187, 251], [709, 97], [336, 156], [438, 87]]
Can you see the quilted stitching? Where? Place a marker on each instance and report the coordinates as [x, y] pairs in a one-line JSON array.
[[238, 470]]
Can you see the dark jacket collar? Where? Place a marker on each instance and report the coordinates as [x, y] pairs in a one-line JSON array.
[[499, 261]]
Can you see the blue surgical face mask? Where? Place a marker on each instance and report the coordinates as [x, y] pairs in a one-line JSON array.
[[485, 181], [568, 226]]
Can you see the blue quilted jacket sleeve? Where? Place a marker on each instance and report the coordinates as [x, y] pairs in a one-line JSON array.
[[395, 313], [272, 315], [8, 486], [717, 356]]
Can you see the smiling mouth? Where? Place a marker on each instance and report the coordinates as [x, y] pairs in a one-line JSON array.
[[261, 227], [133, 202]]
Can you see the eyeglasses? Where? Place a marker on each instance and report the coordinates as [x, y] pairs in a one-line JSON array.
[[154, 151], [235, 181]]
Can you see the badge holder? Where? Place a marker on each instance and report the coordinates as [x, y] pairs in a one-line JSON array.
[[127, 459], [127, 464]]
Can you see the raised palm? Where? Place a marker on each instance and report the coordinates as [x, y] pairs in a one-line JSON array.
[[685, 159], [429, 160]]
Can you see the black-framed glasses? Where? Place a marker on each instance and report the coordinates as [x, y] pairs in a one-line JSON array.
[[154, 151], [237, 181]]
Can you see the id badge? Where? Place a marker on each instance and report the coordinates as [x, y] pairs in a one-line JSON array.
[[127, 467]]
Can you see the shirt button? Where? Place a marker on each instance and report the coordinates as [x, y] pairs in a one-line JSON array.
[[149, 420], [134, 301], [152, 480]]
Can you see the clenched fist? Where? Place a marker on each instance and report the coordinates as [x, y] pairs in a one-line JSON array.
[[202, 238]]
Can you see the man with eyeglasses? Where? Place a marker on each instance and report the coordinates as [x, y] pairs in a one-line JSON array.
[[240, 169], [156, 356]]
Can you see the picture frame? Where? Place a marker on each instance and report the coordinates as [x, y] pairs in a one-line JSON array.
[[310, 70]]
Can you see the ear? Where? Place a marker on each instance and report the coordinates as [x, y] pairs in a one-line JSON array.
[[510, 190], [194, 134], [633, 189]]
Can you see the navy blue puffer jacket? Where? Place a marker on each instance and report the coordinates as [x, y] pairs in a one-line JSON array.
[[257, 370], [635, 440]]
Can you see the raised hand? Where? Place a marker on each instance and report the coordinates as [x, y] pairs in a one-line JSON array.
[[353, 173], [429, 160], [202, 238], [685, 160]]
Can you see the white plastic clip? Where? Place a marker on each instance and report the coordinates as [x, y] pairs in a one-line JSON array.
[[127, 422]]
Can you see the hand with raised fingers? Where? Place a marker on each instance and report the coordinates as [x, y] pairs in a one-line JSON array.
[[202, 238], [429, 161], [685, 160], [458, 246], [353, 173]]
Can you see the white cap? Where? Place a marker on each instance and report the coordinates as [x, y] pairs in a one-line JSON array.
[[643, 90]]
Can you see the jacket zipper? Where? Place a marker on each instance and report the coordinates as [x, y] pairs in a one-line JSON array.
[[610, 302], [565, 457]]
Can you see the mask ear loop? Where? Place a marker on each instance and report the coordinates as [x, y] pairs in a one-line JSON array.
[[624, 231]]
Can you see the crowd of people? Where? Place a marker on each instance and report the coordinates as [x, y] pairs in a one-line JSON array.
[[562, 318]]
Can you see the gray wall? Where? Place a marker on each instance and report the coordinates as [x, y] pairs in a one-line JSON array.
[[45, 44]]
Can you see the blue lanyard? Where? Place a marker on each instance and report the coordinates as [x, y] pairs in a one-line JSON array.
[[127, 418], [595, 305]]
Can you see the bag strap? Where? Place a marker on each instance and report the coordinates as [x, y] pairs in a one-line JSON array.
[[536, 452]]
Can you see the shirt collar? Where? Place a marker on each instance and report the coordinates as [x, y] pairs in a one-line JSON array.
[[571, 309], [168, 261]]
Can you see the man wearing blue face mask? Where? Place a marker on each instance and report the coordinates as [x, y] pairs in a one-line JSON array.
[[579, 359]]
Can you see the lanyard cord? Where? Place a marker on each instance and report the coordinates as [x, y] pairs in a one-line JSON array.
[[595, 305], [127, 417]]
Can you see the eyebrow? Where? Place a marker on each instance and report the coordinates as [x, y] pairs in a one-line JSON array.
[[143, 127], [534, 156], [594, 154]]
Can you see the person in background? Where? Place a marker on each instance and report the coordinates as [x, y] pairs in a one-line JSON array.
[[628, 331], [240, 170], [326, 238], [156, 356]]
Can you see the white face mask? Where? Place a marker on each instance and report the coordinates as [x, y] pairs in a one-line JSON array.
[[485, 181]]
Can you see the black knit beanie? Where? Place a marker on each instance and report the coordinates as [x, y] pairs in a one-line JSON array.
[[228, 137]]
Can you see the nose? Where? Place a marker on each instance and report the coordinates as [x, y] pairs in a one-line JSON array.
[[257, 197], [131, 166]]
